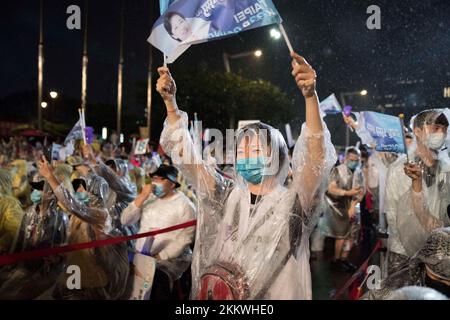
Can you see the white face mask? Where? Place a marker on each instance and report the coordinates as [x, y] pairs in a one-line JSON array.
[[435, 141]]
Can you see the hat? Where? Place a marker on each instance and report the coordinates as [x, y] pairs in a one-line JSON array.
[[75, 161], [167, 172], [37, 182], [436, 253], [38, 185]]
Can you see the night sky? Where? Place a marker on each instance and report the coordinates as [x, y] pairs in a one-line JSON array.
[[332, 35]]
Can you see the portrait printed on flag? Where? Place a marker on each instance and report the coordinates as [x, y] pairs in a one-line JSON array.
[[195, 21]]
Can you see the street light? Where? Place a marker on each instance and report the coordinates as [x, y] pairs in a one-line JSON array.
[[44, 104], [227, 57], [275, 34], [53, 94], [363, 92]]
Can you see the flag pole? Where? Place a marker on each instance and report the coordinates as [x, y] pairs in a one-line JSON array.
[[402, 124], [286, 38], [83, 125]]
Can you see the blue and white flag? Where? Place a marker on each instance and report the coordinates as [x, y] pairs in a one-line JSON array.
[[75, 134], [381, 130], [164, 4], [330, 106], [187, 22]]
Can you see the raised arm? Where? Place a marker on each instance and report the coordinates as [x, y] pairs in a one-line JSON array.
[[177, 143], [96, 215], [133, 212], [314, 154], [125, 190]]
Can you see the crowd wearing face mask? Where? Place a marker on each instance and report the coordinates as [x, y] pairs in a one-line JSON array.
[[263, 221]]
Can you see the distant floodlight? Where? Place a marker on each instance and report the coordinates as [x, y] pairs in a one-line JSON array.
[[121, 139], [104, 133], [44, 104], [53, 94], [258, 53], [363, 92]]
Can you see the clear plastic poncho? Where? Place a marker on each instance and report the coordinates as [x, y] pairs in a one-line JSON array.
[[11, 214], [406, 212], [44, 226], [264, 247], [433, 257], [21, 187], [104, 269], [122, 192]]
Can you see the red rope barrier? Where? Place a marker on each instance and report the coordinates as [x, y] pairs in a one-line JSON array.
[[28, 255], [358, 273]]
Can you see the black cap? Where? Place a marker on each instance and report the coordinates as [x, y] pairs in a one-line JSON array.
[[167, 172], [77, 182], [37, 185]]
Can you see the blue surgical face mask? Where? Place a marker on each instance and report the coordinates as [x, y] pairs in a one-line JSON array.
[[251, 169], [352, 165], [158, 190], [82, 197], [36, 196]]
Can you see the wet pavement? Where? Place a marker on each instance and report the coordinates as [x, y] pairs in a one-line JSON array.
[[326, 279]]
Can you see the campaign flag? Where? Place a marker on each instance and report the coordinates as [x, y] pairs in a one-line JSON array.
[[75, 134], [382, 130], [141, 146], [330, 106], [187, 22], [164, 4]]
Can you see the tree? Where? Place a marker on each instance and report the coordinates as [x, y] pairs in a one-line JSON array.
[[220, 97]]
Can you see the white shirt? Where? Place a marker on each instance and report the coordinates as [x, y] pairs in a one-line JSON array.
[[157, 213]]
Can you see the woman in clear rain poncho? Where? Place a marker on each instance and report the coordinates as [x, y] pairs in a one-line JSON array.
[[252, 239], [104, 270], [122, 190], [45, 226], [406, 232]]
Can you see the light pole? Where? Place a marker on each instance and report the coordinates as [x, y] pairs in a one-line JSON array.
[[85, 59], [119, 73], [40, 62], [349, 94], [227, 57], [149, 84]]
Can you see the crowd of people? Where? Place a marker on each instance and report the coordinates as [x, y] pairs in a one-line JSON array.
[[257, 218]]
